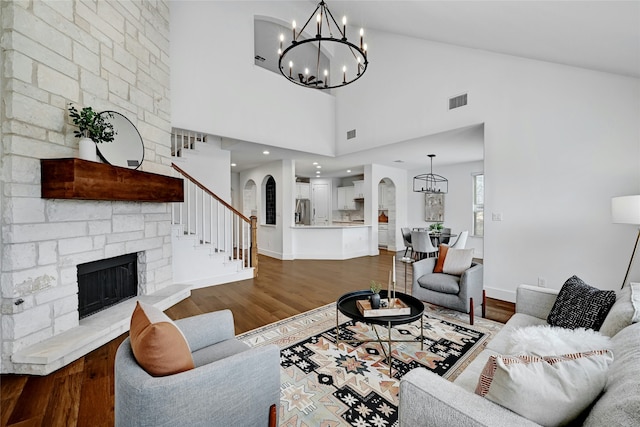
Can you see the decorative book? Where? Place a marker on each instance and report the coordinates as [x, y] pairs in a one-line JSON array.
[[397, 309]]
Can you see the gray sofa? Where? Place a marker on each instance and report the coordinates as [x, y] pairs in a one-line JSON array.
[[427, 399], [231, 385]]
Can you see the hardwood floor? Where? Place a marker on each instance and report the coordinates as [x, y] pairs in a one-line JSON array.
[[81, 394]]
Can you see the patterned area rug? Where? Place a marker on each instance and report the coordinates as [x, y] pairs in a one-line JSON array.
[[349, 385]]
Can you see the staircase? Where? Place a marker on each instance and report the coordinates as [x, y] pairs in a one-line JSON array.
[[212, 242]]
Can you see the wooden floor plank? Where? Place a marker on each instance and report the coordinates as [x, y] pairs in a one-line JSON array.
[[82, 394]]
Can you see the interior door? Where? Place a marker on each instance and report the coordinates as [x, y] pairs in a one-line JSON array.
[[320, 204]]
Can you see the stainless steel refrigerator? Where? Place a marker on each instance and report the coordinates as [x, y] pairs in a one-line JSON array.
[[303, 212]]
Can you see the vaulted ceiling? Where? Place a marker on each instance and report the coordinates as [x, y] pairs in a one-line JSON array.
[[597, 35]]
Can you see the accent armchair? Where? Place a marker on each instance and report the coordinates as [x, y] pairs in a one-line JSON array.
[[232, 383], [459, 293]]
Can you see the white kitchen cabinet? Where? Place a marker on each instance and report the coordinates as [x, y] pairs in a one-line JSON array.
[[358, 189], [345, 199], [383, 235], [303, 190], [382, 197]]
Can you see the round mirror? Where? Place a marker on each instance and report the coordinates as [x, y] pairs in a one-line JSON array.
[[126, 149]]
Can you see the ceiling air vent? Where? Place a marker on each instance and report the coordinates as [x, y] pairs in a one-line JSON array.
[[458, 101], [351, 134]]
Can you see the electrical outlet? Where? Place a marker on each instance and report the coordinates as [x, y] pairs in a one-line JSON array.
[[542, 282], [496, 216]]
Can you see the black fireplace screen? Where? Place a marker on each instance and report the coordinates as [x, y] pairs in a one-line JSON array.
[[104, 283]]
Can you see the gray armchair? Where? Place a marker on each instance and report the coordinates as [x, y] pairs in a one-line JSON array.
[[459, 293], [232, 383]]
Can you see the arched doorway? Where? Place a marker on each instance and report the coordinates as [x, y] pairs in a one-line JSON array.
[[250, 199], [387, 218]]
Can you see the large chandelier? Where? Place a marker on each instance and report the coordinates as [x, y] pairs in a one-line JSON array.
[[305, 63], [430, 182]]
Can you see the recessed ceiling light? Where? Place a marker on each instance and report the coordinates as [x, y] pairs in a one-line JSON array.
[[315, 163], [317, 172], [233, 164], [348, 170], [318, 167], [265, 152]]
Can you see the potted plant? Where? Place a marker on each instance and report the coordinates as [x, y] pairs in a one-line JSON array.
[[436, 228], [93, 128], [375, 287]]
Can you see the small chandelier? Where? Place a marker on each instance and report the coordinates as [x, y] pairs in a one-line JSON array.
[[304, 64], [430, 183]]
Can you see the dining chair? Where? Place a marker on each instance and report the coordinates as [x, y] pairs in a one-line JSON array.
[[406, 236], [422, 245], [462, 240], [446, 231]]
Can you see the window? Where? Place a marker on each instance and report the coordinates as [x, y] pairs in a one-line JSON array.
[[270, 201], [478, 205]]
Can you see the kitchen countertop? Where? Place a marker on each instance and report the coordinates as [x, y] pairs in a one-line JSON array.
[[335, 224]]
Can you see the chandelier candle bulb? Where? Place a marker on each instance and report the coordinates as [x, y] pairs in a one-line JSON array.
[[290, 68], [344, 74], [294, 31], [344, 27], [318, 24], [361, 35]]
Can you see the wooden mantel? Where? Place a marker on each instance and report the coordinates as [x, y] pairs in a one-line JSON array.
[[81, 179]]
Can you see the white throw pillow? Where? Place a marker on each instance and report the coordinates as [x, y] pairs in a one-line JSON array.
[[625, 311], [457, 261], [545, 340], [550, 391]]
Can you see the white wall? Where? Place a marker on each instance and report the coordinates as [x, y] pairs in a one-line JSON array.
[[208, 157], [217, 89], [559, 143]]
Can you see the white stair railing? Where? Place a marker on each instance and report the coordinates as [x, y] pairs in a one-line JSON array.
[[182, 140], [206, 216]]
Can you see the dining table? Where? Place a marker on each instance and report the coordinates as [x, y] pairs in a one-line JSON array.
[[437, 238]]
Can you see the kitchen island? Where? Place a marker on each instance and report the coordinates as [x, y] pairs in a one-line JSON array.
[[337, 240]]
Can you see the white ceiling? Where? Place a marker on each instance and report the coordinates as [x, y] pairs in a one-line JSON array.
[[598, 35]]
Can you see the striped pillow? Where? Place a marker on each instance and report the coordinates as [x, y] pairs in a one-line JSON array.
[[550, 390]]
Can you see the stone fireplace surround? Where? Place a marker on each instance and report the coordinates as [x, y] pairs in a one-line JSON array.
[[43, 332], [111, 56]]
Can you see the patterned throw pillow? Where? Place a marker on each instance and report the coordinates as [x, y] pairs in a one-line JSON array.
[[550, 390], [579, 305]]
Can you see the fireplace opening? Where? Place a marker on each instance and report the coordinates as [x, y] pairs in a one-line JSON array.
[[107, 282]]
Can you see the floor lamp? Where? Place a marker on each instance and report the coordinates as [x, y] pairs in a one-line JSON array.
[[626, 210]]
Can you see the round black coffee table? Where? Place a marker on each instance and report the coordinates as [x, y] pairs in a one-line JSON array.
[[347, 305]]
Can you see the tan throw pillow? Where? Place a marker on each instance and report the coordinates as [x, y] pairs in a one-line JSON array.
[[157, 343], [457, 261], [531, 385], [442, 255]]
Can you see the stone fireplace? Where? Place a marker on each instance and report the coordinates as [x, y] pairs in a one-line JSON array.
[[110, 56], [44, 262]]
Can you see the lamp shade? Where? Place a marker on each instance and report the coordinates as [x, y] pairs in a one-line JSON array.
[[626, 210]]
